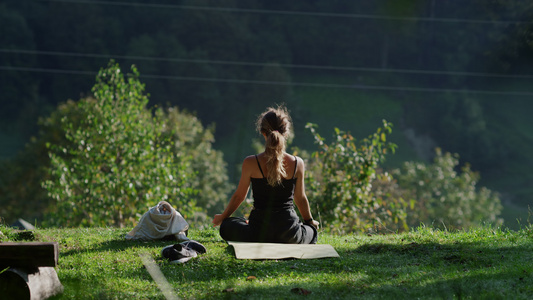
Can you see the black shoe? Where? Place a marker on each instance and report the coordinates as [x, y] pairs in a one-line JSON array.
[[177, 253], [194, 245]]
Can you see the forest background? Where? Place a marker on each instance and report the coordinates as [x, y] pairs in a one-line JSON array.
[[448, 74]]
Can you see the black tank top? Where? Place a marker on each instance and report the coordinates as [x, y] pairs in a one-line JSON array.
[[273, 197]]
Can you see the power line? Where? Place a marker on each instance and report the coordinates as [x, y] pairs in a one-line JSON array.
[[259, 64], [296, 84], [46, 70], [285, 12]]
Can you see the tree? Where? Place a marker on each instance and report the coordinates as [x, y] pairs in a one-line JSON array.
[[117, 162], [187, 139], [191, 139], [444, 197]]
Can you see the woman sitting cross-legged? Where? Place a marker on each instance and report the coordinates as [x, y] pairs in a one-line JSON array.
[[277, 180]]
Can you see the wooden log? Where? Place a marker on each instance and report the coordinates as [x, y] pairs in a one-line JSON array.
[[29, 284], [28, 255]]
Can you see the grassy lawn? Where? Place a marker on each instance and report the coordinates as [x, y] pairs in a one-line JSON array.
[[428, 264]]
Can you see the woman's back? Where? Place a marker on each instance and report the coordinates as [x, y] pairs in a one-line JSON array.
[[276, 197], [289, 163]]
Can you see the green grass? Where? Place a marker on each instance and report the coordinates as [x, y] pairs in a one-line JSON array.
[[480, 263]]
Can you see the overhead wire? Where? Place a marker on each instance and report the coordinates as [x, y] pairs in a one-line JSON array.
[[262, 64], [282, 83], [281, 12], [285, 12]]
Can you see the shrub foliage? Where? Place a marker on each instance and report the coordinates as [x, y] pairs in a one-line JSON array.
[[110, 158], [444, 195], [340, 177], [119, 157], [352, 192], [190, 139]]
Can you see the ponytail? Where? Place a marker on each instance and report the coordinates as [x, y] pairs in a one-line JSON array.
[[274, 150], [275, 124]]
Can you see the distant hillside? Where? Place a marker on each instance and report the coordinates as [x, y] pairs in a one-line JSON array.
[[452, 74]]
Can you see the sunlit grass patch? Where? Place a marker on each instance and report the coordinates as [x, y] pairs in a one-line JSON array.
[[487, 263]]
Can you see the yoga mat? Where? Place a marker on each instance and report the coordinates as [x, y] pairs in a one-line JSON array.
[[281, 251]]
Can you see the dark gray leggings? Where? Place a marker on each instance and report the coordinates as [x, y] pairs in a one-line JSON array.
[[236, 229]]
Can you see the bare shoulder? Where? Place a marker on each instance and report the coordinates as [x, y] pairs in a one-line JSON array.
[[299, 160], [300, 167], [248, 160], [248, 165]]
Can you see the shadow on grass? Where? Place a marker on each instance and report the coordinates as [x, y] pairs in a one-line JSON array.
[[122, 244], [116, 245], [376, 261], [501, 285], [415, 270], [408, 270]]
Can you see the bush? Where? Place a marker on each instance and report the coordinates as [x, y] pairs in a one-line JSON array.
[[444, 197], [117, 160], [340, 177], [180, 133], [191, 139]]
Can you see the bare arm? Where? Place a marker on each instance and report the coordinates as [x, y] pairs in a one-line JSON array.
[[300, 198], [239, 195]]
